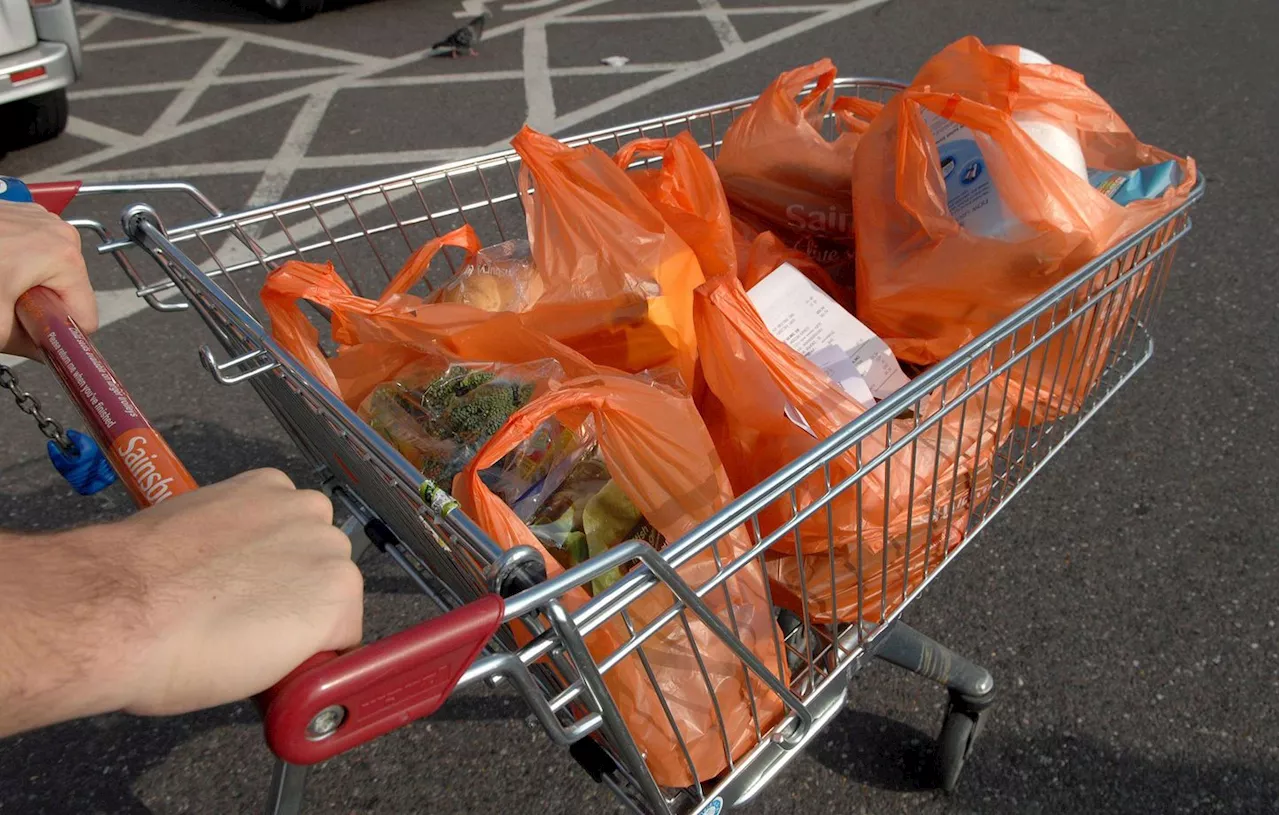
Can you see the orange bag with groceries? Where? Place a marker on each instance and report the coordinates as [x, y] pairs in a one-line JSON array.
[[685, 190], [618, 281], [926, 283], [782, 174], [655, 458], [759, 253], [921, 497], [377, 338]]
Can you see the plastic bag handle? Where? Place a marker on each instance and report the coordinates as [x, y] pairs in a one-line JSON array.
[[855, 113], [464, 237], [822, 73], [645, 147]]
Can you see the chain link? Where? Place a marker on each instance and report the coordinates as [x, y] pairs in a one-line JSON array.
[[30, 405]]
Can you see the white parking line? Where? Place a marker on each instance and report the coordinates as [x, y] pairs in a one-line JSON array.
[[179, 84], [96, 132], [181, 105], [87, 30], [540, 103], [167, 39], [720, 23], [617, 100], [279, 171], [363, 71]]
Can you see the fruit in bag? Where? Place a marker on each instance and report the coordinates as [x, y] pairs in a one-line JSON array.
[[928, 284], [917, 498], [654, 469], [497, 278]]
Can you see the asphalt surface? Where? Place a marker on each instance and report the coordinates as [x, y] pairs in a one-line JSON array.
[[1126, 602]]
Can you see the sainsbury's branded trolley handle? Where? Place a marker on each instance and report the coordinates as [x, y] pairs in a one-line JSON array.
[[332, 702]]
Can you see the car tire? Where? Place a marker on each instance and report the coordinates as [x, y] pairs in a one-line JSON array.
[[290, 11], [33, 120]]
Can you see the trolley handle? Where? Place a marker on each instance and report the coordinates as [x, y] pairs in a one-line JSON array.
[[331, 702]]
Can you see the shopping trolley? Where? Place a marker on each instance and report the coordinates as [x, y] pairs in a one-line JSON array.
[[505, 621]]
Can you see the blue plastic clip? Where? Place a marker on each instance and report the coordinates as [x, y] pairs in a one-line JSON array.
[[85, 468], [11, 189]]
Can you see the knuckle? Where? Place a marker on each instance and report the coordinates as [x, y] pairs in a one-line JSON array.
[[331, 541], [266, 477], [317, 505], [68, 234], [349, 580]]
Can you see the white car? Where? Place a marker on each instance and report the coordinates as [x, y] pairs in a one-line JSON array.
[[39, 59]]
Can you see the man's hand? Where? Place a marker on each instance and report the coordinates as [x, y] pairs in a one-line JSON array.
[[207, 598], [40, 249]]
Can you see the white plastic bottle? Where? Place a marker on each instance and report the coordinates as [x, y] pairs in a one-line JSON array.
[[1058, 140], [971, 197]]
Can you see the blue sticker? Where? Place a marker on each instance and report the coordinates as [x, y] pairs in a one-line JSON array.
[[712, 807]]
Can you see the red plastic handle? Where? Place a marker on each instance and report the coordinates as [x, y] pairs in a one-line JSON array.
[[54, 195], [370, 691]]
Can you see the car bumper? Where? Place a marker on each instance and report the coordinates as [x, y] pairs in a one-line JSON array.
[[55, 60]]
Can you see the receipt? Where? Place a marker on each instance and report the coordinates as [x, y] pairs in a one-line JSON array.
[[803, 316]]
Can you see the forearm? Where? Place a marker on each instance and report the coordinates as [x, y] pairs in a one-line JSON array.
[[68, 607]]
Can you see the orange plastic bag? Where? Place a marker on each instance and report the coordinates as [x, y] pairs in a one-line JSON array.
[[685, 189], [379, 337], [928, 285], [618, 281], [761, 253], [781, 171], [657, 450], [921, 497]]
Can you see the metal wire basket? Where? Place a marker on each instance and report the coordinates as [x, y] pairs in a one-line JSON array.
[[1078, 342]]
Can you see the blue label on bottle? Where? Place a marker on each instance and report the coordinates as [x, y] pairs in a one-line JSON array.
[[971, 197]]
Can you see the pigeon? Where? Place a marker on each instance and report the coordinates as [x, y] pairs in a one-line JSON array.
[[465, 38]]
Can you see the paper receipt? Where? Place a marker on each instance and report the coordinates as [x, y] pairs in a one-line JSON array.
[[800, 314]]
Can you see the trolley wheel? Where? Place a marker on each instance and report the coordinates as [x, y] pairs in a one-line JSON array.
[[960, 728]]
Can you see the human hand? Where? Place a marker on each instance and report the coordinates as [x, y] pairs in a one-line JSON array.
[[38, 248], [241, 582]]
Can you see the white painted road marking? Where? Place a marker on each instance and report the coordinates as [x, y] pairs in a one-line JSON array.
[[358, 70]]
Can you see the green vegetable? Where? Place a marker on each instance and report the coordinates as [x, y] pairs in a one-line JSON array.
[[555, 533], [440, 425], [575, 546], [606, 519]]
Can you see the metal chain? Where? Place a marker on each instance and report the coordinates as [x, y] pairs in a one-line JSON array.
[[30, 405]]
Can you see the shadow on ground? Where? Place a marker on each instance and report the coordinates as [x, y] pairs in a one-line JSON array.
[[1042, 773]]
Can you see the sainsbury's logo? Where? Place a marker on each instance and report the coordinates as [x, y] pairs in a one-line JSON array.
[[146, 469]]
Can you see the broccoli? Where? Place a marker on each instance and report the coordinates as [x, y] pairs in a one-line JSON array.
[[478, 414], [449, 417], [438, 396]]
